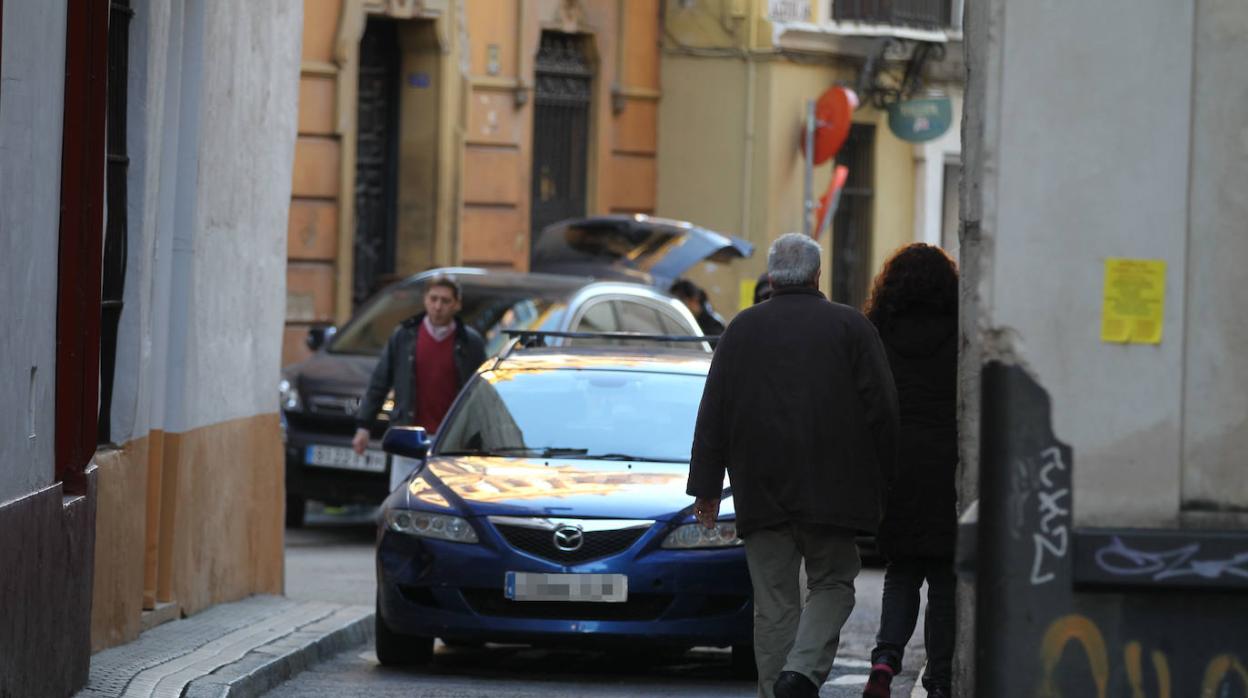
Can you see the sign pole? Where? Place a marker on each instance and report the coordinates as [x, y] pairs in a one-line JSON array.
[[808, 200]]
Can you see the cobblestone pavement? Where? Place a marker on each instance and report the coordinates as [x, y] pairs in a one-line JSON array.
[[515, 672], [253, 639]]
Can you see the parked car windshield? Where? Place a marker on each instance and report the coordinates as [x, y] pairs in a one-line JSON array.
[[577, 413], [486, 309]]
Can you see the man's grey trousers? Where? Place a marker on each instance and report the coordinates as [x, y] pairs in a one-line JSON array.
[[786, 636]]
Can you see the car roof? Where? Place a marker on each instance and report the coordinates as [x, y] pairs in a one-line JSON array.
[[648, 359], [474, 277]]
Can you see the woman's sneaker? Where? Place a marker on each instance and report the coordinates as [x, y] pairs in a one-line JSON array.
[[878, 682]]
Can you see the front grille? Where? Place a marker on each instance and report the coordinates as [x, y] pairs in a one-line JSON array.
[[421, 596], [491, 602], [597, 543]]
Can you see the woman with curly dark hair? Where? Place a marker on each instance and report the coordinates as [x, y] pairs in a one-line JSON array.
[[914, 305]]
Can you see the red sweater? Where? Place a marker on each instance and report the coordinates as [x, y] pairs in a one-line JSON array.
[[436, 381]]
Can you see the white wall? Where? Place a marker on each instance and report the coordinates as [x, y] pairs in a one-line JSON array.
[[32, 82], [1119, 129], [213, 116], [929, 171], [1215, 414]]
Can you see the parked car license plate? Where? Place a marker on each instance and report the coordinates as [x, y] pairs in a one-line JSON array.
[[345, 458], [533, 586]]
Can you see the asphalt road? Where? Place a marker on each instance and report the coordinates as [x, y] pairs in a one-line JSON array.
[[332, 560]]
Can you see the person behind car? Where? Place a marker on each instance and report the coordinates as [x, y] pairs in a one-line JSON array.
[[914, 304], [695, 299], [799, 407], [762, 288], [426, 361]]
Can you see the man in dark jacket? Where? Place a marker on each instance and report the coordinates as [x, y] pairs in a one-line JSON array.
[[799, 407], [426, 361]]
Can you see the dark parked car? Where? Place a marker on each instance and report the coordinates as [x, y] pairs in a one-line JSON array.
[[611, 273], [319, 396]]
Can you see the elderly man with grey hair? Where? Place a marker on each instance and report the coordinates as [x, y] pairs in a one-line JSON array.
[[800, 409]]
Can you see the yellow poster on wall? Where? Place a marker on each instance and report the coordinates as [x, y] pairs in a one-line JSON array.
[[745, 294], [1134, 300]]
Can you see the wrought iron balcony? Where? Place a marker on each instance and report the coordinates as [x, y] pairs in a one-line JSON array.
[[910, 13]]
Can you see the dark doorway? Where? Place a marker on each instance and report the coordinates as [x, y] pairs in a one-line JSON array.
[[376, 163], [560, 130], [851, 228], [81, 250]]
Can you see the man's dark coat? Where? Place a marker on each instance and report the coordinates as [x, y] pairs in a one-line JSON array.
[[395, 370], [800, 408]]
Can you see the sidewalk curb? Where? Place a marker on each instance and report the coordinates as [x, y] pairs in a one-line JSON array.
[[268, 666]]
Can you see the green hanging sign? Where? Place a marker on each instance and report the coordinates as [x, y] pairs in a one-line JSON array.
[[920, 120]]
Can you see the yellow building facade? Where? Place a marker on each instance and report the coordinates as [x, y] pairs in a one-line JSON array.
[[737, 76], [444, 132]]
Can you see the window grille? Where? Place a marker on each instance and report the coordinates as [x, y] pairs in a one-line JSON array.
[[117, 168]]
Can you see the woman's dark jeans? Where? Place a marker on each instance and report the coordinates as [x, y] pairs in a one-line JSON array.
[[902, 580]]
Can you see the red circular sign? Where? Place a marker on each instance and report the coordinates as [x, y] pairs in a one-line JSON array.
[[834, 111]]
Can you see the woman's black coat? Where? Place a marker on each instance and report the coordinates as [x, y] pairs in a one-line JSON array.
[[920, 511]]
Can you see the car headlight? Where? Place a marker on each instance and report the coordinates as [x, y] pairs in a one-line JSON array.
[[696, 535], [426, 525], [289, 395]]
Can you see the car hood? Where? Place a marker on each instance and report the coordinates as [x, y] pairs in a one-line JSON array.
[[486, 486], [665, 249], [339, 374]]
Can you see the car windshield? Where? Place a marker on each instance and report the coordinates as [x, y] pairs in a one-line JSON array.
[[577, 413], [489, 310]]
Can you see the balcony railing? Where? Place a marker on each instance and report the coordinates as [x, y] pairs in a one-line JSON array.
[[910, 13]]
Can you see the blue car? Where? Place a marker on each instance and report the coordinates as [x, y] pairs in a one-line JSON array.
[[551, 509]]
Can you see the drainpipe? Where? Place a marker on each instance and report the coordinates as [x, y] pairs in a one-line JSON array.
[[747, 169], [521, 93], [618, 100]]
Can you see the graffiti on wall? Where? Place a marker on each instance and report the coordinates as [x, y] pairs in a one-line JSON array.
[[1120, 558], [1073, 612], [1040, 510], [1224, 672]]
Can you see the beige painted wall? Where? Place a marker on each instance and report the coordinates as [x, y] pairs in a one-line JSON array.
[[621, 39], [230, 503], [117, 591], [465, 142], [702, 160], [418, 184], [892, 216], [195, 518]]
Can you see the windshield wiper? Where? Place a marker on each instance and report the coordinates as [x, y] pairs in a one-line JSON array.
[[629, 456], [548, 452]]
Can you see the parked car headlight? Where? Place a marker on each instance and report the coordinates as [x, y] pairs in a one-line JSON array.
[[695, 535], [426, 525], [289, 395]]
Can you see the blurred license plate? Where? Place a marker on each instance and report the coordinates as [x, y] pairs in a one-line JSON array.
[[345, 458], [529, 586]]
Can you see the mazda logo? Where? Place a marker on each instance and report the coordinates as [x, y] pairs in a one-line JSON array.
[[568, 538]]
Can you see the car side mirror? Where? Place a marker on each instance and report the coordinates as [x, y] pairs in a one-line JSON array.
[[318, 336], [409, 442]]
